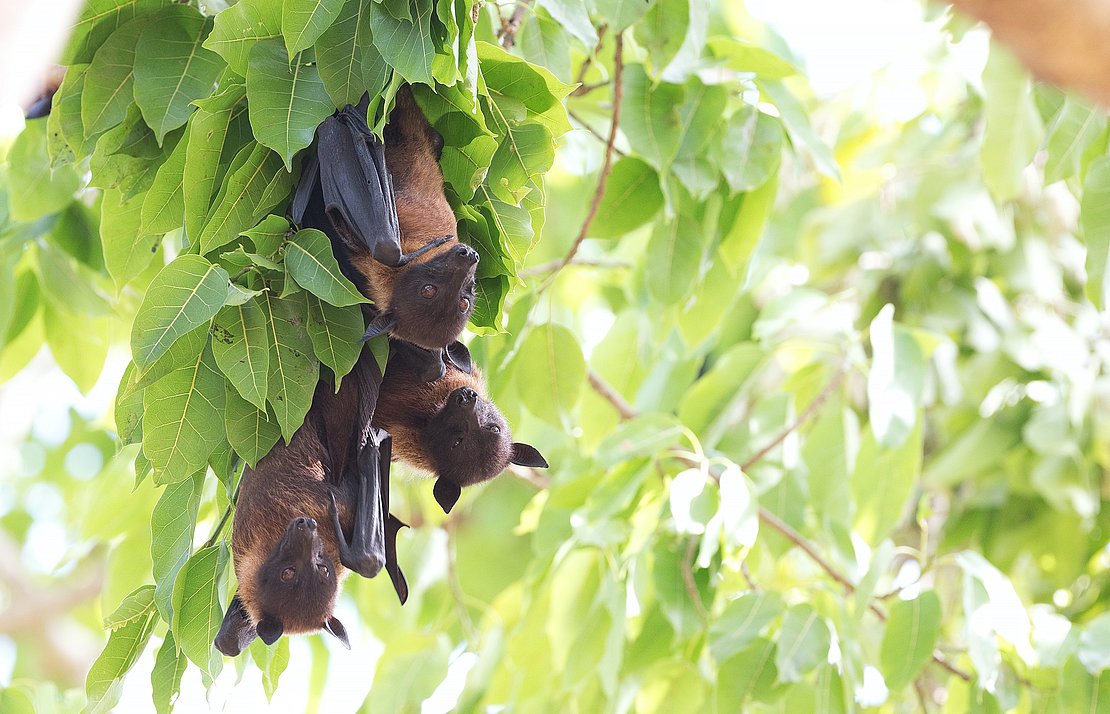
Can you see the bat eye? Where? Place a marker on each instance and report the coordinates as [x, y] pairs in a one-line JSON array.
[[428, 292], [464, 305], [457, 442], [323, 569], [494, 428], [288, 574]]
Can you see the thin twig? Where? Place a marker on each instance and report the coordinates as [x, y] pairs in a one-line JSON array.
[[618, 68], [508, 31], [610, 395], [584, 89], [802, 418], [227, 512], [592, 131], [688, 578], [590, 60], [544, 268]]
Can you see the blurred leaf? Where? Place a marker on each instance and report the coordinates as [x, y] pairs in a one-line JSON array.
[[662, 30], [620, 14], [674, 258], [34, 190], [750, 674], [741, 622], [272, 660], [78, 344], [1013, 129], [172, 69], [197, 604], [803, 643], [1094, 218], [1094, 644], [632, 198], [185, 294], [911, 633], [572, 15], [550, 372], [752, 149], [742, 56], [671, 686], [895, 381], [408, 672], [1072, 131], [96, 23], [798, 127], [882, 483]]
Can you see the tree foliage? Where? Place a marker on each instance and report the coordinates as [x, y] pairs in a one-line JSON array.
[[822, 398]]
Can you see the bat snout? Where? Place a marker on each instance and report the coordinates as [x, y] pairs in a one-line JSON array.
[[305, 523], [466, 254], [465, 396]]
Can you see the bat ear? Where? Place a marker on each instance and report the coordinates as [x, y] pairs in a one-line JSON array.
[[270, 629], [458, 355], [236, 632], [447, 493], [527, 455], [337, 630], [380, 325]]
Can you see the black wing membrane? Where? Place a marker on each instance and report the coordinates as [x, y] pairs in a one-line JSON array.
[[349, 170]]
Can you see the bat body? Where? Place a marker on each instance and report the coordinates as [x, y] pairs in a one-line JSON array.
[[309, 511], [391, 227], [447, 426]]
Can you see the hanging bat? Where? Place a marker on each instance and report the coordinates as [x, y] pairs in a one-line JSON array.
[[391, 227], [309, 511], [447, 427]]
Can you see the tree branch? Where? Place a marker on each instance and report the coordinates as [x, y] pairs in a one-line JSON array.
[[508, 30], [610, 395], [618, 68], [802, 419]]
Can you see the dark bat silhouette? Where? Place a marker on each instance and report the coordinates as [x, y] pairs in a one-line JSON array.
[[308, 511], [447, 427], [391, 227]]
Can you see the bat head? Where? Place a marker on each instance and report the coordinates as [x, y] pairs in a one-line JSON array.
[[469, 442], [297, 586], [433, 299]]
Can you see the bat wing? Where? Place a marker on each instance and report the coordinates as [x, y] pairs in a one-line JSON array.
[[236, 632]]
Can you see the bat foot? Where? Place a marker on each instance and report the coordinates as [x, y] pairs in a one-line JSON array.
[[408, 257]]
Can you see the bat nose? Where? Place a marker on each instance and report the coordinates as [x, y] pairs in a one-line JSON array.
[[467, 253], [305, 522], [467, 395]]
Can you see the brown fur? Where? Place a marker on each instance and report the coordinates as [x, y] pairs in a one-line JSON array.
[[423, 213]]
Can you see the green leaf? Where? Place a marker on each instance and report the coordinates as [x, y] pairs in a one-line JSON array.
[[1012, 131], [662, 31], [513, 81], [911, 634], [272, 660], [204, 143], [98, 21], [124, 647], [242, 349], [1094, 647], [183, 353], [1094, 219], [268, 235], [303, 21], [406, 45], [550, 372], [572, 14], [706, 402], [751, 149], [294, 370], [632, 198], [621, 14], [674, 258], [67, 285], [165, 678], [742, 56], [1071, 133], [127, 156], [649, 116], [251, 432], [182, 411], [803, 643], [349, 63], [896, 380], [751, 674], [185, 294], [527, 153], [66, 140], [172, 69], [34, 189], [135, 606], [164, 205], [286, 99], [740, 623], [257, 185], [78, 344], [544, 42], [109, 83], [310, 261], [171, 537], [127, 252], [408, 672], [197, 604], [238, 28], [802, 135], [336, 335], [882, 482]]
